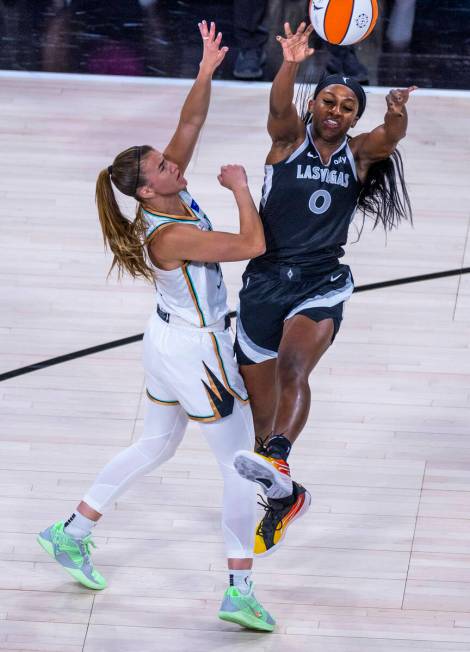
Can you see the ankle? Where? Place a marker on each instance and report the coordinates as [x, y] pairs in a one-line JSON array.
[[279, 447], [240, 579], [78, 526]]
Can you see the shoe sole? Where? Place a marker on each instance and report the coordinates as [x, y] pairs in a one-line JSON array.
[[252, 466], [305, 507], [245, 620], [76, 574]]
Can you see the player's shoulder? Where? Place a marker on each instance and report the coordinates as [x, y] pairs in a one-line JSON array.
[[356, 142], [283, 150]]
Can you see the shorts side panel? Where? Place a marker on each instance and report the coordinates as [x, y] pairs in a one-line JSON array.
[[260, 318], [198, 370]]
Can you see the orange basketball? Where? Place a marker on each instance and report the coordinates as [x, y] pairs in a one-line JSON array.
[[344, 22]]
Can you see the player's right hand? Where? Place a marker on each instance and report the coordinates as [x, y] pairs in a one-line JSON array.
[[233, 177], [295, 46]]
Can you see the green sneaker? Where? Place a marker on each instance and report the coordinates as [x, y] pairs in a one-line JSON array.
[[245, 610], [72, 554]]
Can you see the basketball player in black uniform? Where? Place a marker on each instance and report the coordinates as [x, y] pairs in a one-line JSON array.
[[291, 303]]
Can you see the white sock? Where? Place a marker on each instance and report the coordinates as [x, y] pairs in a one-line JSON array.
[[78, 526], [241, 579]]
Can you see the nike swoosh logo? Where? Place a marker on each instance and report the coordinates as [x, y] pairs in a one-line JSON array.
[[335, 278], [312, 155]]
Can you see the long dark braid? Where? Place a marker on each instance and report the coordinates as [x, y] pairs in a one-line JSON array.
[[384, 196]]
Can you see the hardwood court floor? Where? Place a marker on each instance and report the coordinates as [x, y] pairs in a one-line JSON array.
[[382, 560]]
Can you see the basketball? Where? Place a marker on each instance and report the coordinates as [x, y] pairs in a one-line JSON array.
[[343, 22]]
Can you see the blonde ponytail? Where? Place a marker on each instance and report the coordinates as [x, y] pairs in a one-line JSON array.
[[124, 238]]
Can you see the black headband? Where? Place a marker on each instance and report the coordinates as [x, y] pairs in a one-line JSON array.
[[138, 170], [344, 81]]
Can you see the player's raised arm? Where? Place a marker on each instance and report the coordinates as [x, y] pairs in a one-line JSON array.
[[194, 111], [284, 124], [382, 141], [185, 242]]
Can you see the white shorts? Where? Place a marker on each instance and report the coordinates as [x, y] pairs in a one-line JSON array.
[[194, 369]]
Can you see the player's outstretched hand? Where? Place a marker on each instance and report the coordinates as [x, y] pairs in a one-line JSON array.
[[398, 97], [295, 46], [233, 177], [213, 54]]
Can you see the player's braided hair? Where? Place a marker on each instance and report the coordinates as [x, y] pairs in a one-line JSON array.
[[384, 195], [124, 237]]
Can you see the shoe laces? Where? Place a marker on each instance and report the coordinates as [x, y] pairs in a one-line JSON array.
[[85, 545], [269, 516], [261, 445], [69, 544]]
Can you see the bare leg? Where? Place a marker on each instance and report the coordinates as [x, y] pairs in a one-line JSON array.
[[89, 512], [303, 344], [260, 382]]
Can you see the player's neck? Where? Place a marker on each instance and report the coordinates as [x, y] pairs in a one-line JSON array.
[[326, 147], [168, 204]]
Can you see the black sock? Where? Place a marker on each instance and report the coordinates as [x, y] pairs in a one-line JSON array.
[[279, 447]]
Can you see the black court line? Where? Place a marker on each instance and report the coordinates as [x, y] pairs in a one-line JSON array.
[[136, 338]]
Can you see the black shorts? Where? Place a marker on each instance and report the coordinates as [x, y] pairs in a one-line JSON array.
[[271, 296]]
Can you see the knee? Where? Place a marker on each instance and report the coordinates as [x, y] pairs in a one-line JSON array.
[[291, 370], [157, 449]]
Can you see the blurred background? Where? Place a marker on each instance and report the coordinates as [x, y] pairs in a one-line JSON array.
[[423, 42]]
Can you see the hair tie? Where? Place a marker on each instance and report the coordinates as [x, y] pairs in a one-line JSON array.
[[110, 170]]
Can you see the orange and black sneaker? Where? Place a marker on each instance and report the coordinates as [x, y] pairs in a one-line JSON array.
[[279, 514], [272, 474]]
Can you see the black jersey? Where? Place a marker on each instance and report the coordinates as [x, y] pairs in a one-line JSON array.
[[307, 207]]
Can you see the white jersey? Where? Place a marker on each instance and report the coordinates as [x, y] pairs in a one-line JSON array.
[[195, 291]]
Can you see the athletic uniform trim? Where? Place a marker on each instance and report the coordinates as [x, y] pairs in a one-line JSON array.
[[309, 135], [209, 419], [268, 180], [194, 217], [352, 161], [159, 229], [223, 372], [325, 300], [159, 401], [252, 350], [192, 291], [174, 220], [298, 151]]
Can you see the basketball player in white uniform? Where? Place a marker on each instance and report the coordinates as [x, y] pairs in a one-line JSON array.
[[191, 373]]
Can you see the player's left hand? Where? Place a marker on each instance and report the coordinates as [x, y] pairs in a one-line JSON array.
[[213, 54], [398, 97]]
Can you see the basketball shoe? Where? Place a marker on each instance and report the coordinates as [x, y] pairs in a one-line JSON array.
[[72, 554], [286, 500], [245, 610], [272, 474], [279, 515]]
